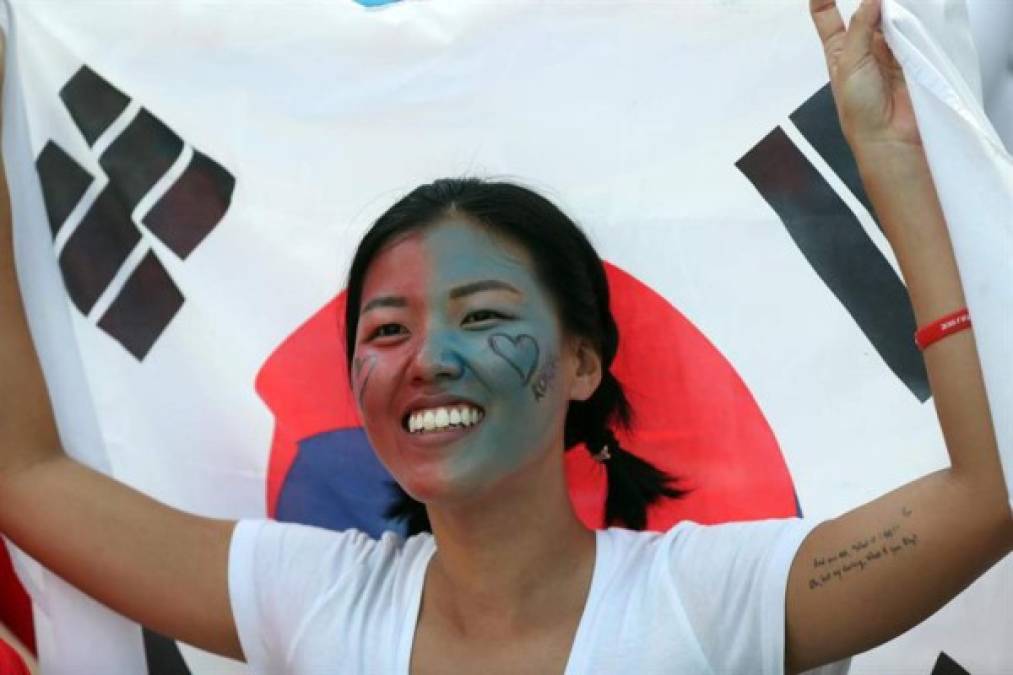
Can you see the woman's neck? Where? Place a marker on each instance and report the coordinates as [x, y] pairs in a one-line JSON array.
[[513, 559]]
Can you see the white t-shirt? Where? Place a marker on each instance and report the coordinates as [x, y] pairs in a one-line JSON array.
[[695, 599]]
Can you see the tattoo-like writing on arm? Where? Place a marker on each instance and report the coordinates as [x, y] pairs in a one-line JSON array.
[[863, 553]]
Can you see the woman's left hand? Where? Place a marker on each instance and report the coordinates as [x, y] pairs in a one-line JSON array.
[[868, 84]]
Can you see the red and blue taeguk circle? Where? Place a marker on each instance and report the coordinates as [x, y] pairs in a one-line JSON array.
[[695, 418]]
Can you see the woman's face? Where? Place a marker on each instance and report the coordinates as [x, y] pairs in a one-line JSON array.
[[459, 367]]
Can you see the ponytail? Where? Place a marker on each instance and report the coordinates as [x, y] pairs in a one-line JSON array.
[[634, 484]]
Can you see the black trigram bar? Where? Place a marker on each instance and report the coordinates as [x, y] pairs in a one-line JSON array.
[[97, 249], [144, 307], [817, 120], [63, 181], [134, 162], [92, 102], [193, 206], [140, 156], [162, 655], [947, 666], [833, 241]]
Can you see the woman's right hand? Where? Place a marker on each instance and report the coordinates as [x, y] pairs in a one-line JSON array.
[[161, 567]]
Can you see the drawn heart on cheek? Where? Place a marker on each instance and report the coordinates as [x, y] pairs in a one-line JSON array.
[[520, 352]]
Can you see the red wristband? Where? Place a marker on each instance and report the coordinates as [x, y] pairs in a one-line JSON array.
[[947, 325]]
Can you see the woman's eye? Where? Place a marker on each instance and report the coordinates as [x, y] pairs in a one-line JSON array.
[[386, 330], [482, 315]]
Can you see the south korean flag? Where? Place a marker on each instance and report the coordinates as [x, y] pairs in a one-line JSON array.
[[189, 181]]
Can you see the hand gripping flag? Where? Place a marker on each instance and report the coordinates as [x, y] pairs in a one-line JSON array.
[[188, 182]]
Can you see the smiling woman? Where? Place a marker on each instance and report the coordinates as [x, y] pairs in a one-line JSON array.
[[419, 270], [480, 340]]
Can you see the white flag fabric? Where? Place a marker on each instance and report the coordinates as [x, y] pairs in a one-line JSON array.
[[992, 27], [189, 180], [974, 172]]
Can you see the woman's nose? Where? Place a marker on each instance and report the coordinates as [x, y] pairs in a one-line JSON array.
[[437, 359]]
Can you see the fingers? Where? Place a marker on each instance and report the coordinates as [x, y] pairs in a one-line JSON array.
[[827, 18], [845, 45], [863, 27]]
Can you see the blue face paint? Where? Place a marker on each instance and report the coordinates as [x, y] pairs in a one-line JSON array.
[[468, 320]]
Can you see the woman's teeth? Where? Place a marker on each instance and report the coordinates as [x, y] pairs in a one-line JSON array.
[[440, 419]]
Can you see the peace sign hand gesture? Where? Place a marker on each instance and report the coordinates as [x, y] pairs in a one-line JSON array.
[[868, 84]]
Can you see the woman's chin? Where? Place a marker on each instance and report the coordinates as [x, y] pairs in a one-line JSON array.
[[427, 486], [435, 488]]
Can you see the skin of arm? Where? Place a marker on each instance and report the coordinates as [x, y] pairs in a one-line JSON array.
[[159, 566], [874, 572]]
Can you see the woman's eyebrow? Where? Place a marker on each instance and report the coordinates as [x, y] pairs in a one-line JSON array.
[[485, 285], [384, 301]]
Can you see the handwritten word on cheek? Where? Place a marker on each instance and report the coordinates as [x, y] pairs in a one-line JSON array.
[[545, 378], [859, 555]]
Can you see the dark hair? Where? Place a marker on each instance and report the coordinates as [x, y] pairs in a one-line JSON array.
[[570, 270]]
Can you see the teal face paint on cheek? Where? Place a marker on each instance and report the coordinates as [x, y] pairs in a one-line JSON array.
[[494, 348], [509, 363]]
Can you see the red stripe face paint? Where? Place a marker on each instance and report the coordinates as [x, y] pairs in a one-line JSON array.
[[458, 371]]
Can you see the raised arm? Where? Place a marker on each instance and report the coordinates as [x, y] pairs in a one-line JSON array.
[[161, 567], [871, 574]]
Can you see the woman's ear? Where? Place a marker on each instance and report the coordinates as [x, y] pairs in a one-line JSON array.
[[587, 373]]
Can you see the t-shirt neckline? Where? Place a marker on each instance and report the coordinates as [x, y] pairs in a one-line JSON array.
[[417, 580]]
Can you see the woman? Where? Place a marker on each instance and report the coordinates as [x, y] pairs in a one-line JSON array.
[[464, 383]]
